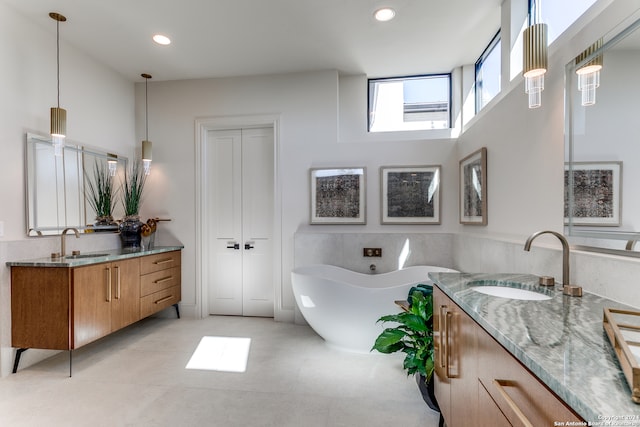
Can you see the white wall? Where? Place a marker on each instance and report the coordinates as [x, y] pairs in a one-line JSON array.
[[100, 113], [308, 107]]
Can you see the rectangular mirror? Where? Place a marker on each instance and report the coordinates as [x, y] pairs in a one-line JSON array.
[[56, 186], [602, 152]]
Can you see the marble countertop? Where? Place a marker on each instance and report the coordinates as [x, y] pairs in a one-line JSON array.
[[88, 258], [561, 340]]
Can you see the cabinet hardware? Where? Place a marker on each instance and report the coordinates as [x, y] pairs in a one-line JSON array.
[[233, 245], [447, 328], [443, 311], [163, 261], [164, 279], [248, 245], [161, 300], [500, 385], [117, 282], [108, 282]]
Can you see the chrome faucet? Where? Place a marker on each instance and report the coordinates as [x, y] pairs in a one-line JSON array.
[[567, 287], [62, 242]]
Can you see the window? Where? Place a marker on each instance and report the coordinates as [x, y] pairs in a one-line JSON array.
[[558, 15], [488, 73], [410, 103]]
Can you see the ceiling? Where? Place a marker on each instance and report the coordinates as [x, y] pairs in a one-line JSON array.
[[221, 38]]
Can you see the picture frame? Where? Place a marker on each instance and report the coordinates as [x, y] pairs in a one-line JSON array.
[[338, 195], [410, 194], [593, 196], [473, 188]]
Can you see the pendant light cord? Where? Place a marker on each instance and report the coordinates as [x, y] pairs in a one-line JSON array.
[[146, 107], [58, 57]]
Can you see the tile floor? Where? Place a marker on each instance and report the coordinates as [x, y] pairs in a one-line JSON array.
[[136, 377]]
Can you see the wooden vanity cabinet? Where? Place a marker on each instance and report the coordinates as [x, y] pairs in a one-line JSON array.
[[478, 382], [64, 308]]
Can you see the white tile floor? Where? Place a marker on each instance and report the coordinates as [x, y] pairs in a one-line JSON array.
[[136, 377]]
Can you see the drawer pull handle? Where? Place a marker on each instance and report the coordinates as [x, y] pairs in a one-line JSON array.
[[163, 261], [164, 279], [161, 300], [500, 384]]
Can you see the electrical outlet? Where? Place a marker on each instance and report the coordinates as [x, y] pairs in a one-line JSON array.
[[372, 252]]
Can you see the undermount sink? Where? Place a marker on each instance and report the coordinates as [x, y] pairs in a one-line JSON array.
[[511, 293], [81, 256]]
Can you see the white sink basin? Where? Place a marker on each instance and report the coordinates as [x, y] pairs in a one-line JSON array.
[[512, 293]]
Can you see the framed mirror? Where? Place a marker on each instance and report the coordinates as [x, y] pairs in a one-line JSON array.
[[57, 186], [602, 150]]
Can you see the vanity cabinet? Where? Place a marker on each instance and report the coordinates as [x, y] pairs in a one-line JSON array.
[[66, 307], [477, 379]]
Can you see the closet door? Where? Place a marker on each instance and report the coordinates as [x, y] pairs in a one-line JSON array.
[[240, 182]]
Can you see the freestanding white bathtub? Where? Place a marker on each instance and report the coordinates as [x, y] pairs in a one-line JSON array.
[[342, 306]]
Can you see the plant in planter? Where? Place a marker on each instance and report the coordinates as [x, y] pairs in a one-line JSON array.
[[100, 194], [131, 189], [414, 337]]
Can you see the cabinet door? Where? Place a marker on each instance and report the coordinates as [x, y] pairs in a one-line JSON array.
[[455, 345], [92, 297], [442, 385], [125, 291]]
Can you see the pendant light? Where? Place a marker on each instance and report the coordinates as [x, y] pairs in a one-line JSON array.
[[58, 115], [147, 146], [589, 72], [534, 59]]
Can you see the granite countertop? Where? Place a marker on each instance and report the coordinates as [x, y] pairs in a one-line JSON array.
[[88, 258], [561, 340]]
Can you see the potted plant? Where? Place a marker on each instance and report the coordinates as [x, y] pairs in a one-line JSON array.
[[413, 336], [131, 193], [101, 195]]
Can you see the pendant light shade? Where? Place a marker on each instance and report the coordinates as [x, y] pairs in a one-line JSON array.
[[58, 115], [147, 146], [534, 64], [589, 72]]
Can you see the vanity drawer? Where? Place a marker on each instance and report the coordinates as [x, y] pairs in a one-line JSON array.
[[157, 262], [159, 280], [159, 301]]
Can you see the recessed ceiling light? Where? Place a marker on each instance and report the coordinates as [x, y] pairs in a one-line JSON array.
[[384, 14], [160, 39]]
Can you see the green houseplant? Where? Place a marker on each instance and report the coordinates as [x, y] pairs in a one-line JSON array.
[[131, 194], [413, 336], [100, 194]]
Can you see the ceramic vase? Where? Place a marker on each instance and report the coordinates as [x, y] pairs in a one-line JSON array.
[[130, 232]]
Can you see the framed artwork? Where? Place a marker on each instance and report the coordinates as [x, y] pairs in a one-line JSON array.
[[592, 193], [338, 196], [473, 188], [410, 195]]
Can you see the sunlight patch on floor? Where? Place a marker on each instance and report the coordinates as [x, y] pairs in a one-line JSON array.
[[227, 354]]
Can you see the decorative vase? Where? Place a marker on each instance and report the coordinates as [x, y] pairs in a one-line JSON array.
[[428, 393], [130, 232]]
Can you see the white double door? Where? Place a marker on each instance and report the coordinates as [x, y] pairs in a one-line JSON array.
[[241, 187]]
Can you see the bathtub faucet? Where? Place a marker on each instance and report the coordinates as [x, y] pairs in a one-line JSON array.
[[372, 267]]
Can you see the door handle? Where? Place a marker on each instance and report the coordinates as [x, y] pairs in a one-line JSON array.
[[248, 245], [233, 245]]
